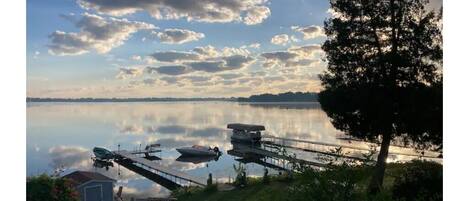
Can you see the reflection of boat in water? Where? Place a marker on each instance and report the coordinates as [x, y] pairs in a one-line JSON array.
[[103, 154], [102, 163], [196, 159], [197, 150], [246, 132]]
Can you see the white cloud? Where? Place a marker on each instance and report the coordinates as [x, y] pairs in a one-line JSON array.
[[249, 11], [256, 15], [309, 32], [178, 36], [255, 45], [281, 39], [206, 51], [136, 58], [96, 33], [125, 73]]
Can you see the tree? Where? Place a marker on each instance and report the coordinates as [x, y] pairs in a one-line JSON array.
[[43, 187], [384, 75]]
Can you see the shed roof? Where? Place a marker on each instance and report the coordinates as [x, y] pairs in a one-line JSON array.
[[81, 177]]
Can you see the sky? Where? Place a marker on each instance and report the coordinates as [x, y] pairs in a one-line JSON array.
[[174, 48]]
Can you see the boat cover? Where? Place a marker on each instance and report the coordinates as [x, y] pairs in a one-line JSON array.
[[246, 127]]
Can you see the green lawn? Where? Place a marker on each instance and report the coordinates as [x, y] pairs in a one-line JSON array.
[[277, 189]]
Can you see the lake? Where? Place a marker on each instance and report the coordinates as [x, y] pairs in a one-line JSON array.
[[62, 135]]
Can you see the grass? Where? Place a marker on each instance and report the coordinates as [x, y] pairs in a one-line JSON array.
[[255, 190], [277, 188]]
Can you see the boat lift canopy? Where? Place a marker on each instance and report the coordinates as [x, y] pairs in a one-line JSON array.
[[246, 127]]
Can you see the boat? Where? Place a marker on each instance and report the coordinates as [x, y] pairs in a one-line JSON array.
[[197, 150], [102, 163], [103, 154], [246, 132]]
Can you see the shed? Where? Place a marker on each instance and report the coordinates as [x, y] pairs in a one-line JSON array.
[[92, 186]]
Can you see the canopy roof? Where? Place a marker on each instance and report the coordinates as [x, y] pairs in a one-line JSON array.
[[246, 127]]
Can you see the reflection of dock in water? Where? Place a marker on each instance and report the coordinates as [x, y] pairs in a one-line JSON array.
[[267, 158], [163, 181], [282, 142], [156, 171]]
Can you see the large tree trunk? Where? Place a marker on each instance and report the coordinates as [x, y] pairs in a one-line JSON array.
[[378, 175]]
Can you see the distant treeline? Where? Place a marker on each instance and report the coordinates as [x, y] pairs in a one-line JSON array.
[[125, 99], [282, 97]]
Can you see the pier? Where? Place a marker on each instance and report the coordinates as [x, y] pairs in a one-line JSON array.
[[280, 141], [156, 171], [259, 155]]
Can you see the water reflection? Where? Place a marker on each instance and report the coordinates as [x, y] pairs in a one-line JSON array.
[[197, 159], [63, 135]]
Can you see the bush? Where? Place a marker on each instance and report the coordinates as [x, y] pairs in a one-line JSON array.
[[338, 183], [419, 180], [240, 180], [45, 188]]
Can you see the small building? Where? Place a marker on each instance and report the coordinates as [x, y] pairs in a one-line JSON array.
[[92, 186]]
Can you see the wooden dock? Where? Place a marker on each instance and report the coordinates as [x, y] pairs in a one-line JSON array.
[[246, 149], [282, 141], [157, 168]]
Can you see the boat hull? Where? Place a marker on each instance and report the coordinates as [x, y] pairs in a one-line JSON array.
[[196, 152]]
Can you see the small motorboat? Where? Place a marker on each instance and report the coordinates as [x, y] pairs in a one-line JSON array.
[[102, 163], [103, 154], [197, 150], [246, 132]]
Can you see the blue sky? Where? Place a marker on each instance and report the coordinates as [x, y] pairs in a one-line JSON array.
[[119, 48]]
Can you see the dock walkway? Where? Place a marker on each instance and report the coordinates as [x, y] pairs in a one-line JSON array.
[[159, 168]]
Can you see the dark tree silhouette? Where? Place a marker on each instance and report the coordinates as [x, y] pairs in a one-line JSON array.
[[384, 74]]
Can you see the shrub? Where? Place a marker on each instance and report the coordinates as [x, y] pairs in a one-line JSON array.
[[419, 180], [240, 180], [44, 187], [338, 183]]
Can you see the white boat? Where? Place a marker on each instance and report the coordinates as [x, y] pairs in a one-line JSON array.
[[246, 132], [197, 150]]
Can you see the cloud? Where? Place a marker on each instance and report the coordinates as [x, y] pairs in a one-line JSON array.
[[255, 45], [178, 36], [207, 51], [282, 56], [281, 39], [306, 51], [96, 33], [125, 73], [237, 61], [136, 58], [194, 79], [248, 11], [173, 56], [226, 63], [69, 156], [170, 80], [207, 66], [230, 76], [169, 70], [206, 59], [309, 32], [256, 15], [294, 56], [171, 129]]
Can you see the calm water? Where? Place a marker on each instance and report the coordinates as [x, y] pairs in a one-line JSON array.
[[63, 134]]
